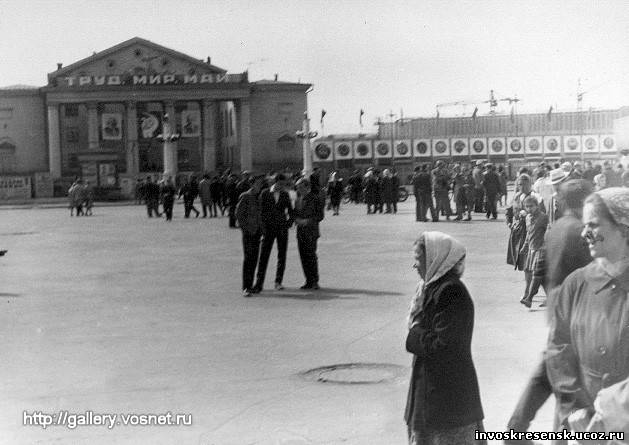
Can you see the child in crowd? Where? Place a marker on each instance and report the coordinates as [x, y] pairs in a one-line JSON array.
[[535, 267]]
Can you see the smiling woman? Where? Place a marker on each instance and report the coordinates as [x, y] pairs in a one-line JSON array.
[[587, 347]]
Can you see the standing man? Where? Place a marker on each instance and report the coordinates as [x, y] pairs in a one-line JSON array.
[[308, 214], [276, 216], [422, 187], [441, 186], [151, 197], [204, 194], [167, 193], [491, 183], [231, 190], [248, 215], [479, 191]]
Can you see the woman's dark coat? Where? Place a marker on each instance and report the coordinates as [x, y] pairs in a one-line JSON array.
[[444, 392]]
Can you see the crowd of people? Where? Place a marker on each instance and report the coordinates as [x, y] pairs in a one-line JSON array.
[[81, 198], [570, 235], [476, 188], [585, 364]]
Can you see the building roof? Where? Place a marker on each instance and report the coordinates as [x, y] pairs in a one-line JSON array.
[[20, 87], [135, 41]]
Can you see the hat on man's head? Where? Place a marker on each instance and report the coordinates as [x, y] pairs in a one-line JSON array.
[[479, 162], [557, 175], [566, 166]]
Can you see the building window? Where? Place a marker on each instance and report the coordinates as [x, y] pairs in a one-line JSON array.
[[71, 110], [6, 113]]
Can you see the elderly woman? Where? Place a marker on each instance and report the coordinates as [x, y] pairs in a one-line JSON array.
[[588, 344], [443, 405]]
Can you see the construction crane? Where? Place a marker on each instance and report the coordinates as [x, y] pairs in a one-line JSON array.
[[493, 103]]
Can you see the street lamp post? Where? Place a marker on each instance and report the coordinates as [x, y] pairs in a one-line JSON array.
[[305, 134]]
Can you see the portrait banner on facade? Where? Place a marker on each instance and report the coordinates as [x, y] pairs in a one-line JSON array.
[[608, 144], [533, 145], [149, 125], [460, 147], [421, 148], [190, 123], [515, 146], [342, 150], [383, 149], [552, 145], [363, 149], [402, 149], [112, 126], [440, 147], [478, 147], [572, 145], [497, 147], [590, 143], [322, 152]]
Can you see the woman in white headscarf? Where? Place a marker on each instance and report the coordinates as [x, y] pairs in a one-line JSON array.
[[443, 405]]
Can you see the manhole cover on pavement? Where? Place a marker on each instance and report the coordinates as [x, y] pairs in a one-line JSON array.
[[356, 373]]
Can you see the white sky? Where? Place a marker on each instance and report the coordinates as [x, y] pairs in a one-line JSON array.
[[375, 55]]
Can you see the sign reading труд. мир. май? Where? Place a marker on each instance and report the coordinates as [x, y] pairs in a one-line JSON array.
[[154, 79]]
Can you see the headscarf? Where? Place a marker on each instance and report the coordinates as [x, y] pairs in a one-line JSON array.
[[442, 253], [617, 201]]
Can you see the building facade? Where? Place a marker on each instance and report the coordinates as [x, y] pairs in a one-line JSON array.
[[140, 109], [511, 140]]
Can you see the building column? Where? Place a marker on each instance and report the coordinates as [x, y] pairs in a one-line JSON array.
[[209, 135], [133, 158], [244, 134], [54, 142], [170, 147], [92, 126]]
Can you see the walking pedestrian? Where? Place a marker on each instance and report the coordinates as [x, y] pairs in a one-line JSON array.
[[335, 192], [204, 194], [151, 196], [566, 251], [167, 192]]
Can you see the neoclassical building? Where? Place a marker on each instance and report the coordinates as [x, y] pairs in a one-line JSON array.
[[139, 109]]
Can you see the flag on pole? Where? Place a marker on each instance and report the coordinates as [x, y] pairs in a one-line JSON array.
[[475, 113], [512, 115], [437, 113], [360, 118], [401, 116], [323, 113], [550, 110]]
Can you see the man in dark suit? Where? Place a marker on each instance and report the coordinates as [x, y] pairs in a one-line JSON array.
[[248, 215], [422, 187], [308, 213], [276, 214]]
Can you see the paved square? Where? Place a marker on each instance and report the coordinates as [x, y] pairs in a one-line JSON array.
[[121, 314]]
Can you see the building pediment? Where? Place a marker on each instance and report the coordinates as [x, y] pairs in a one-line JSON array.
[[137, 62]]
